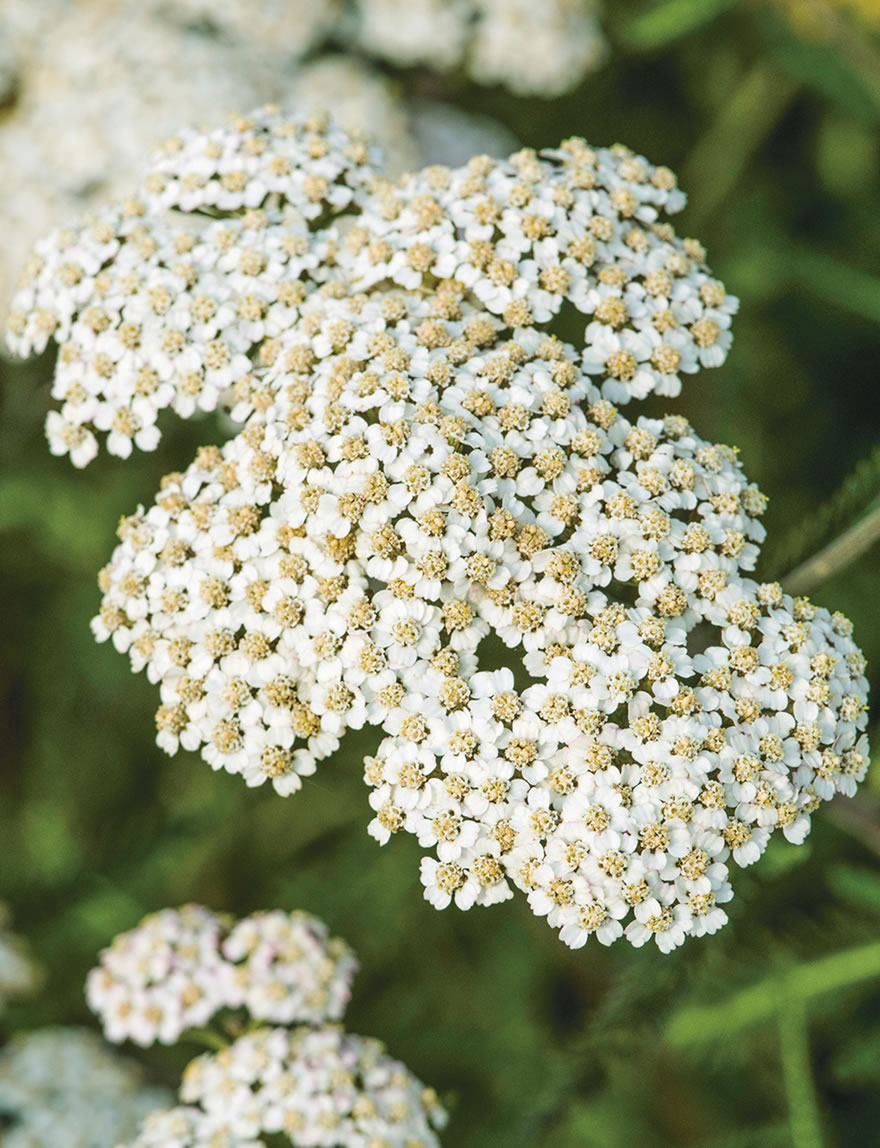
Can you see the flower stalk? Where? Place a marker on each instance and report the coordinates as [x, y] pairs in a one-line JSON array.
[[832, 559]]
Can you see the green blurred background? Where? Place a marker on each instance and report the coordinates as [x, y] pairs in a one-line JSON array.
[[767, 1033]]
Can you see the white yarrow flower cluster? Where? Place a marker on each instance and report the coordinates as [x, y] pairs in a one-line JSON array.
[[154, 305], [311, 1087], [572, 227], [293, 1073], [63, 1088], [426, 475], [180, 967]]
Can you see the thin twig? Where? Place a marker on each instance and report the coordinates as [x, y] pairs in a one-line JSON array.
[[836, 556]]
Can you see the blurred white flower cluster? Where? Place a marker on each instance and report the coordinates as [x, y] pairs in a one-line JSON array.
[[180, 967], [533, 49], [63, 1088], [87, 88], [313, 1084], [19, 973], [410, 129], [427, 475]]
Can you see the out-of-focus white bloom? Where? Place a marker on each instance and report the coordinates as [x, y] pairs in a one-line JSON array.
[[410, 133], [180, 967], [315, 1088], [426, 470], [273, 30], [63, 1088], [22, 26], [432, 33], [541, 49], [361, 99], [162, 978], [447, 134], [288, 969], [19, 973]]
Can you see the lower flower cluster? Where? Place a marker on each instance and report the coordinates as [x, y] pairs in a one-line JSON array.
[[316, 1087], [265, 991]]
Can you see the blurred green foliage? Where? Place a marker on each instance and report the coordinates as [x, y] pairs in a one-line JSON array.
[[766, 1034]]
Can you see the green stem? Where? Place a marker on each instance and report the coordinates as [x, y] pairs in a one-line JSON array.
[[836, 556], [206, 1037], [698, 1024], [794, 1045], [852, 499], [718, 161], [846, 287]]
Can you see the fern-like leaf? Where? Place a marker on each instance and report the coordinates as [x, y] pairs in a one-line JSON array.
[[854, 496]]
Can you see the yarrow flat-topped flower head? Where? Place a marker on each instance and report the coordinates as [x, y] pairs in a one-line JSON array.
[[314, 1085], [425, 475], [181, 967], [159, 301]]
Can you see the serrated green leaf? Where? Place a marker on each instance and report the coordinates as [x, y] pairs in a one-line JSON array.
[[857, 495]]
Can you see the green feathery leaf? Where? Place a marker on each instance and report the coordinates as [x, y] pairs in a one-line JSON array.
[[854, 496]]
